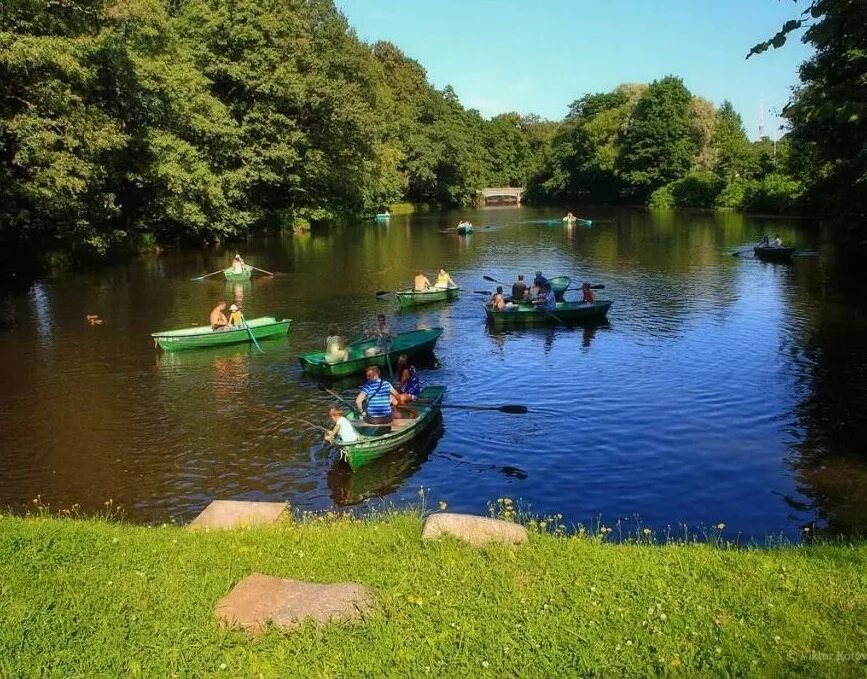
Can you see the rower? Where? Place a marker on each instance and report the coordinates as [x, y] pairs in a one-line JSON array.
[[587, 293], [569, 217], [519, 289], [237, 264], [497, 301], [384, 334], [218, 318], [546, 301], [444, 280], [236, 318], [377, 395], [421, 282], [778, 242]]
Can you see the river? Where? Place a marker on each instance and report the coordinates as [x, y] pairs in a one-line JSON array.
[[722, 389]]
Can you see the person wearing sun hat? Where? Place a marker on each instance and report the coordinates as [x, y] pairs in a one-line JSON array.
[[237, 264], [236, 318]]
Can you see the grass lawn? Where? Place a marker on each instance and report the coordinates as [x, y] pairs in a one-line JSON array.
[[92, 598]]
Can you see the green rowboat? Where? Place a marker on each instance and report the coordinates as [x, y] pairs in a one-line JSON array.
[[566, 313], [377, 441], [199, 337], [412, 297], [465, 230], [243, 275], [410, 343], [559, 285]]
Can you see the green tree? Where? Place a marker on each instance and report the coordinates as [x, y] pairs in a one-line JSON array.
[[659, 144], [730, 140]]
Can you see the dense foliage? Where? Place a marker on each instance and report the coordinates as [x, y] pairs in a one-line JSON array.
[[129, 122], [125, 120]]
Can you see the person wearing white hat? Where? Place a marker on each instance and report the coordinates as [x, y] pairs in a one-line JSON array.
[[236, 318], [237, 264]]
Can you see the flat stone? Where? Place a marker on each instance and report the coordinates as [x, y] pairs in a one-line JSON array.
[[259, 599], [238, 514], [476, 530]]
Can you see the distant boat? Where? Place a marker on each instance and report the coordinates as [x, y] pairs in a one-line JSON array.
[[565, 313], [772, 253], [201, 337], [465, 229], [382, 216], [242, 275], [412, 297]]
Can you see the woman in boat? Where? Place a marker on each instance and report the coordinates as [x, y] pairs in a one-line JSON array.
[[384, 335], [587, 294], [375, 398], [218, 318], [343, 430], [408, 384], [236, 318], [237, 264], [497, 301], [444, 280], [421, 282], [335, 346]]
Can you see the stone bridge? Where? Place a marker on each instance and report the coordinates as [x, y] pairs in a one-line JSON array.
[[504, 194]]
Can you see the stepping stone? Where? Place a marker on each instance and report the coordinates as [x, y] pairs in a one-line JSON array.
[[238, 514], [476, 530], [259, 599]]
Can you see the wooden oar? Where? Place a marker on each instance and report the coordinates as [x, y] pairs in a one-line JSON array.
[[512, 409], [738, 253], [494, 280], [483, 292], [597, 286], [199, 278], [256, 268], [252, 336], [349, 405], [383, 293]]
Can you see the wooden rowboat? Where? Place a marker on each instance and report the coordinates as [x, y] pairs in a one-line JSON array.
[[566, 313], [770, 253], [377, 441], [465, 230], [410, 343], [243, 275], [200, 337], [559, 285], [410, 297]]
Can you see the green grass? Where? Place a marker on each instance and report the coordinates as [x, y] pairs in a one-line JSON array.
[[92, 598]]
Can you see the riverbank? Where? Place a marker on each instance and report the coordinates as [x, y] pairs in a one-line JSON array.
[[96, 598]]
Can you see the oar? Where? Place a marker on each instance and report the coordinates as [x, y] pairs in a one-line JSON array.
[[493, 280], [252, 336], [597, 286], [510, 408], [738, 253], [256, 268], [482, 292], [383, 293], [199, 278], [351, 406]]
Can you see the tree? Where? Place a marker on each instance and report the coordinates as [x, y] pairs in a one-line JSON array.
[[658, 145], [730, 140]]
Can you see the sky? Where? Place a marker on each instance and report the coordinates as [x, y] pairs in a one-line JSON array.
[[511, 55]]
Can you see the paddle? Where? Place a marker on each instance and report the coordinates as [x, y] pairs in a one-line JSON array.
[[256, 268], [383, 293], [199, 278], [738, 253], [349, 405], [592, 287], [252, 336], [482, 292], [510, 408]]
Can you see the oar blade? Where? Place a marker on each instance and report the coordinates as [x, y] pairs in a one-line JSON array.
[[383, 293], [488, 278], [514, 409]]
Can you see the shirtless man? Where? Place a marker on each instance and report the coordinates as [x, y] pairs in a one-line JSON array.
[[498, 302], [218, 318], [421, 282]]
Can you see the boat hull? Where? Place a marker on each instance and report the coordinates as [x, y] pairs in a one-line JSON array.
[[204, 337], [377, 441], [773, 254], [244, 275], [414, 297], [464, 230], [411, 343], [566, 313]]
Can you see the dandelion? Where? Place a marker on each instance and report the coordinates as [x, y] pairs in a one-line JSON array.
[[646, 531], [485, 664], [223, 665], [663, 617], [720, 526]]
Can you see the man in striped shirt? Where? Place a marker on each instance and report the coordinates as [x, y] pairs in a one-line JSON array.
[[379, 396]]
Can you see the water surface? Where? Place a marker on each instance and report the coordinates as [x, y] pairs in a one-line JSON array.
[[722, 389]]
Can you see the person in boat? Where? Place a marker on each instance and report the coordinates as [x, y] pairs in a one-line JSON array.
[[497, 301], [237, 264], [546, 301], [335, 346], [519, 288], [778, 242], [463, 224], [218, 318], [421, 282], [764, 242], [587, 294], [236, 318], [343, 431], [444, 280], [569, 217], [375, 399], [383, 334], [408, 385], [539, 280]]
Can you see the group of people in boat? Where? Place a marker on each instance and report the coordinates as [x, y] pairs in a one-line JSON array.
[[777, 242], [378, 401], [444, 281], [337, 345], [219, 321], [540, 294]]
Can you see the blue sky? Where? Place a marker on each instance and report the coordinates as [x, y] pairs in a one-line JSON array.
[[510, 55]]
